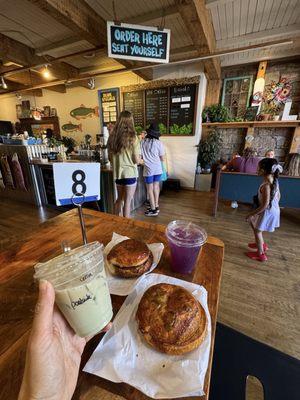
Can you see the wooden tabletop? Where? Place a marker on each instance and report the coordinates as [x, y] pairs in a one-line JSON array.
[[18, 293]]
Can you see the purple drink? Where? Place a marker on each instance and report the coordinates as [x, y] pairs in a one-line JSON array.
[[185, 241]]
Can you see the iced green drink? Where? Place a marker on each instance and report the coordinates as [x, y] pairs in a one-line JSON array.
[[81, 290]]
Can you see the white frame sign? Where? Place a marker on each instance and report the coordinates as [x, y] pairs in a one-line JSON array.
[[137, 42], [80, 178]]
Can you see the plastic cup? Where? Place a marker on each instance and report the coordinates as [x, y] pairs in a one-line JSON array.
[[185, 241], [81, 290]]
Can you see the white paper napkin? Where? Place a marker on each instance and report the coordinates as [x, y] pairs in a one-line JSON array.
[[123, 356], [124, 286]]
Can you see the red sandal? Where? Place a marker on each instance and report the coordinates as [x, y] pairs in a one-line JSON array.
[[254, 246], [254, 255]]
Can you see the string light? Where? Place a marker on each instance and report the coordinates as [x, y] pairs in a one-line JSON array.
[[45, 72]]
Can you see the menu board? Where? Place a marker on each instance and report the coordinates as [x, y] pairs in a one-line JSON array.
[[182, 108], [157, 108], [135, 103], [109, 101]]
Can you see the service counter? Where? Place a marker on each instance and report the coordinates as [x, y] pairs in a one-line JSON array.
[[38, 187], [43, 172]]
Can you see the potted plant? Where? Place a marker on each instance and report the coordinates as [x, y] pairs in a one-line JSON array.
[[209, 150], [216, 113], [268, 111], [69, 143]]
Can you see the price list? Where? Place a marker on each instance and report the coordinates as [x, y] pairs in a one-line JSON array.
[[157, 108], [134, 102], [182, 104]]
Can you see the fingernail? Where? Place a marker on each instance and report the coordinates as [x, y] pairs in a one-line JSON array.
[[43, 285]]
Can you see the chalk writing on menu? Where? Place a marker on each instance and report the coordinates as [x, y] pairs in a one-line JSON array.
[[134, 102], [182, 104], [157, 108], [138, 43], [109, 103]]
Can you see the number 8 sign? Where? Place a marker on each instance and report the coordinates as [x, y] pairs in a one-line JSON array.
[[74, 179]]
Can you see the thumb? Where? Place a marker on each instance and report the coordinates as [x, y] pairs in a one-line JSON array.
[[43, 320]]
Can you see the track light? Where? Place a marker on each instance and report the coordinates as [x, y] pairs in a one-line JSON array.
[[3, 83], [18, 96], [45, 72]]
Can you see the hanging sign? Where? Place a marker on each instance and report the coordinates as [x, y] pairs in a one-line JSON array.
[[136, 42], [109, 101], [72, 180]]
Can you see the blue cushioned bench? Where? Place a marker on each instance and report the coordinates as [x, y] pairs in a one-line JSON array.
[[242, 187]]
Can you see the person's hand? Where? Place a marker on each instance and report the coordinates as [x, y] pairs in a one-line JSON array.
[[53, 354], [249, 218]]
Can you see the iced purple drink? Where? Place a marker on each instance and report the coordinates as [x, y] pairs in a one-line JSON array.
[[185, 241]]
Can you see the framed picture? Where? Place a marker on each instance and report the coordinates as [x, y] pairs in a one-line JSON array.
[[53, 112]]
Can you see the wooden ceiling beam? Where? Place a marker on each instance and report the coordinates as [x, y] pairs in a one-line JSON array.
[[199, 25], [17, 52], [82, 19], [152, 15], [57, 45]]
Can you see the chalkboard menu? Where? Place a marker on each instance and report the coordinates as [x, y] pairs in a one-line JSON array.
[[182, 108], [109, 101], [157, 108], [135, 103]]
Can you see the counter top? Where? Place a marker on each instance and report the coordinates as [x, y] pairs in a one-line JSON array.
[[19, 293], [51, 163]]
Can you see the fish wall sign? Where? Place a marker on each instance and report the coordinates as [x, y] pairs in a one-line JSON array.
[[70, 127], [84, 112]]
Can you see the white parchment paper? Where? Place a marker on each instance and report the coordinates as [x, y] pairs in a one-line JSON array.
[[124, 286], [123, 356]]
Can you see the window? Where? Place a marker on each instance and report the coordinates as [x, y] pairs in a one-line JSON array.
[[236, 94]]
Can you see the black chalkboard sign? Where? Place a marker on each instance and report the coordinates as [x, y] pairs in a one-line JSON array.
[[182, 109], [136, 42], [135, 103], [157, 108], [109, 101]]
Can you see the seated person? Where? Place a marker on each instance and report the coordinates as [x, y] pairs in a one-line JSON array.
[[248, 163], [270, 153]]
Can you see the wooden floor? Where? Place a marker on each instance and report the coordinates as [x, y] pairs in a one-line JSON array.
[[259, 299]]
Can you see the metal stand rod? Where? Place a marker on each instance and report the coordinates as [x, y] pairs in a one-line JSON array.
[[82, 224]]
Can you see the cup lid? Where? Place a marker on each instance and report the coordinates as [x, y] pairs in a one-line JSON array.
[[185, 233]]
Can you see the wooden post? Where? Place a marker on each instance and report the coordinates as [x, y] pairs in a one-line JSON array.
[[213, 92], [217, 189], [295, 145], [249, 136]]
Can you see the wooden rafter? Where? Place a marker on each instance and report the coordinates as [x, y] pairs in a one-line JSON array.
[[19, 53], [199, 25], [79, 17], [152, 15]]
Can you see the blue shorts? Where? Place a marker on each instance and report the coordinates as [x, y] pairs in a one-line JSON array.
[[126, 181], [153, 178]]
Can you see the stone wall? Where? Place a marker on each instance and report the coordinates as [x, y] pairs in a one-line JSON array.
[[233, 141], [289, 68], [278, 139]]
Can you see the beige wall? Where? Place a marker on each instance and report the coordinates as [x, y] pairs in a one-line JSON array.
[[181, 151], [65, 102]]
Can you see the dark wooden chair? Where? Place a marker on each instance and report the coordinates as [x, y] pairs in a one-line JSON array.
[[237, 356]]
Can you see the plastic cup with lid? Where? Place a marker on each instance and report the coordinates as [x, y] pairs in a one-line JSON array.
[[185, 241]]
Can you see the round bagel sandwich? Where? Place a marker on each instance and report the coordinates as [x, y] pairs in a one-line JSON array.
[[171, 320], [129, 259]]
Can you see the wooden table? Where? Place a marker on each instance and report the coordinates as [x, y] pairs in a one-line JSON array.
[[18, 293]]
